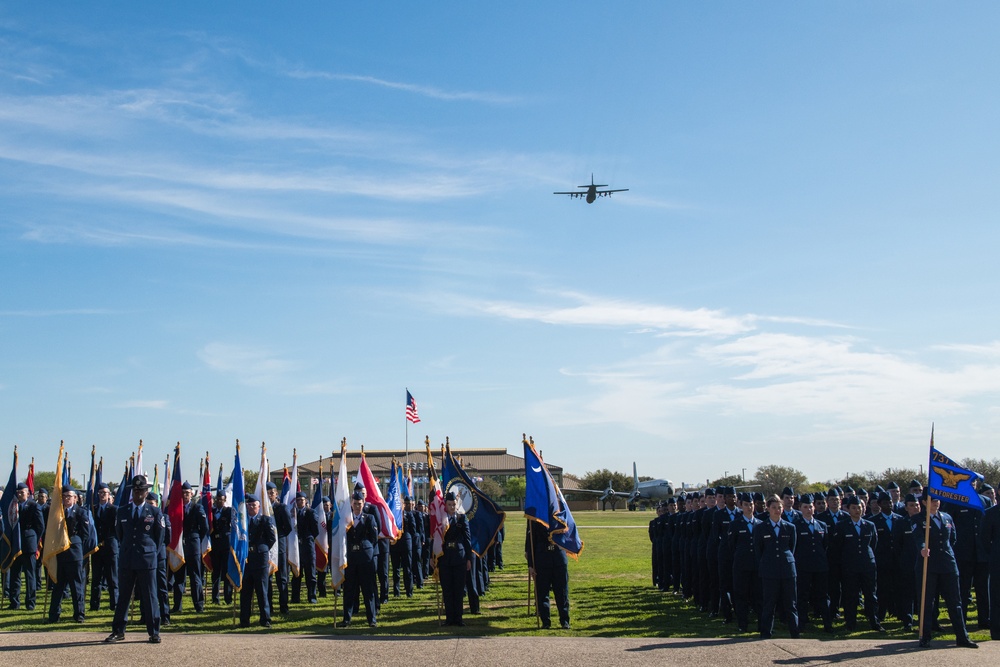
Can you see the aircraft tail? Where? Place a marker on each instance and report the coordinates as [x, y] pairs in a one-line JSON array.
[[635, 480]]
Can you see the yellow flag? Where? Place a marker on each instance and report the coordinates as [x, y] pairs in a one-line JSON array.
[[56, 535]]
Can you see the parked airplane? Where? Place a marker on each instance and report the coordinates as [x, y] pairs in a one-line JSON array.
[[642, 493], [591, 193]]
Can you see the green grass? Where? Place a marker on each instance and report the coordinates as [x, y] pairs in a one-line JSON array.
[[610, 596]]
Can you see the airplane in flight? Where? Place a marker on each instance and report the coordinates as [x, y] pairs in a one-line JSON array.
[[642, 493], [591, 193]]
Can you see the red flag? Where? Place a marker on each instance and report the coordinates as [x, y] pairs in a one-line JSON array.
[[374, 496], [206, 503], [175, 510]]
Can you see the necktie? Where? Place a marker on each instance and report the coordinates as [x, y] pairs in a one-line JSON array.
[[812, 527], [857, 529], [776, 530], [888, 522]]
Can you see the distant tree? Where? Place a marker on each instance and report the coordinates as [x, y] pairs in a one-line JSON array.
[[773, 478], [729, 480], [990, 470], [514, 487], [645, 478], [857, 481], [599, 479], [901, 476], [490, 487], [46, 479]]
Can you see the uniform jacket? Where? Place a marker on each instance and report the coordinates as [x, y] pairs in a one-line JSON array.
[[222, 527], [811, 545], [457, 543], [990, 539], [306, 525], [968, 526], [261, 535], [105, 519], [31, 521], [361, 540], [718, 538], [195, 523], [741, 543], [942, 542], [855, 553], [139, 537], [539, 551], [885, 548], [775, 552]]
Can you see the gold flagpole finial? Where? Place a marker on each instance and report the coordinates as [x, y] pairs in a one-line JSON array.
[[93, 449]]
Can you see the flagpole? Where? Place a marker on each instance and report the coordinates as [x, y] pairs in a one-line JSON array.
[[927, 538]]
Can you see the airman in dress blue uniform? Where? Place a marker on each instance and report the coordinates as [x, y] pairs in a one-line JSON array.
[[104, 563], [746, 585], [261, 536], [455, 562], [811, 565], [31, 523], [140, 534], [69, 563], [774, 547], [359, 577]]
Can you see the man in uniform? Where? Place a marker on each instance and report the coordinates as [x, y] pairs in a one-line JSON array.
[[991, 546], [31, 523], [746, 585], [973, 563], [43, 501], [222, 526], [401, 552], [162, 589], [261, 537], [833, 516], [283, 522], [307, 530], [195, 530], [104, 563], [904, 548], [321, 574], [718, 541], [417, 547], [140, 533], [887, 574], [547, 566], [655, 534], [359, 577], [69, 563]]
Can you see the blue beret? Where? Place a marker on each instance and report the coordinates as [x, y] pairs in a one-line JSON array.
[[252, 498], [325, 499], [300, 494], [272, 485]]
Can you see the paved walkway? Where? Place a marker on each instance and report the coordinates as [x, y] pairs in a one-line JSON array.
[[83, 649]]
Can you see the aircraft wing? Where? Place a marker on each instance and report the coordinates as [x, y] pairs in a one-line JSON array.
[[595, 492], [603, 192]]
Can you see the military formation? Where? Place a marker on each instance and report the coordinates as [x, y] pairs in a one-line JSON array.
[[820, 559], [126, 547]]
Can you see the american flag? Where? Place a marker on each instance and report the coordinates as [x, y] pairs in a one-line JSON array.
[[411, 408]]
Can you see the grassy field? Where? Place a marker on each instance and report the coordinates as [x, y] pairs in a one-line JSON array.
[[610, 595]]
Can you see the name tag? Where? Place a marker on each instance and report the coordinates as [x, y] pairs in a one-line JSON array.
[[355, 547], [451, 545], [552, 547]]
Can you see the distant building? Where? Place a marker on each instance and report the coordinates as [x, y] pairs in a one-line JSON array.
[[478, 463]]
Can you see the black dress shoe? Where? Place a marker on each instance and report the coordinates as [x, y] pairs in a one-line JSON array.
[[967, 643], [372, 624], [878, 627], [164, 621], [114, 637], [546, 625], [564, 625], [461, 624], [155, 639], [343, 624], [925, 642], [265, 624]]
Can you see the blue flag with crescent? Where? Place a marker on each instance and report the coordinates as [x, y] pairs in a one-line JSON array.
[[10, 541], [485, 517], [951, 482], [544, 503], [239, 538]]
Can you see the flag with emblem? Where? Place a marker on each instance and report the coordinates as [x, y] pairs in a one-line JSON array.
[[437, 512], [544, 503], [341, 519], [951, 482], [56, 534], [206, 504], [485, 517], [175, 510], [322, 542], [387, 521], [263, 477], [289, 487]]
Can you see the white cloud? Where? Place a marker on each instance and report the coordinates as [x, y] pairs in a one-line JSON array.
[[425, 91], [253, 366], [144, 405]]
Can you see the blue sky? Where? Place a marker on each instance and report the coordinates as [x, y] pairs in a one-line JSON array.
[[264, 222]]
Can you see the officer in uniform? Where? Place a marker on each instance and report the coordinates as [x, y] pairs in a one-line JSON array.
[[417, 547], [746, 585], [676, 542], [321, 574], [195, 530], [709, 553], [222, 526], [456, 561], [283, 522], [140, 534], [547, 566], [655, 534], [854, 543], [307, 530], [973, 563], [907, 556], [811, 566], [69, 563], [359, 577], [942, 571], [718, 541], [887, 574], [104, 563], [261, 537], [833, 516], [31, 523], [162, 589], [774, 546], [401, 552]]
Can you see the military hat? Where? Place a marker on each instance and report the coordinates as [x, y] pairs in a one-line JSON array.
[[848, 490], [68, 490], [861, 493], [21, 485], [757, 495], [851, 500], [745, 497], [357, 495], [788, 491], [186, 487], [43, 490], [271, 485], [102, 485], [709, 492], [833, 493], [450, 496], [914, 484], [221, 491], [139, 483], [879, 489], [358, 485], [671, 500], [806, 498], [325, 499], [420, 503], [985, 487], [682, 497], [153, 496], [252, 498], [910, 498], [300, 494], [696, 495], [892, 485]]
